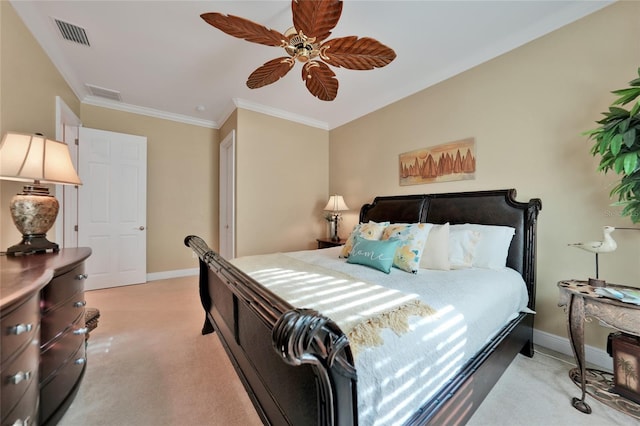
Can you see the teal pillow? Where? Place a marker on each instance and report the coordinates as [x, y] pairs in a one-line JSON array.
[[374, 253]]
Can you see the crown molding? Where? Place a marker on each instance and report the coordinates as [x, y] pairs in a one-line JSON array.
[[150, 112], [274, 112]]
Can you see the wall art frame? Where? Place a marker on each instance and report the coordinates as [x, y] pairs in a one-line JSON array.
[[447, 162]]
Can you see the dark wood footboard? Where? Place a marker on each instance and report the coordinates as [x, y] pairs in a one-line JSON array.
[[297, 366]]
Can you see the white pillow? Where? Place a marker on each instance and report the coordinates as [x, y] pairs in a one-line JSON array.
[[462, 247], [436, 250], [493, 247]]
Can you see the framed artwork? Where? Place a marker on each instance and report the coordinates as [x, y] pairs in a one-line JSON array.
[[441, 163]]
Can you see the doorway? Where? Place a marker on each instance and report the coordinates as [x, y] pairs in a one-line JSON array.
[[227, 203], [112, 207]]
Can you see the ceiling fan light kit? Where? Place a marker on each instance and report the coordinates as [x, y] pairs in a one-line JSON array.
[[313, 21]]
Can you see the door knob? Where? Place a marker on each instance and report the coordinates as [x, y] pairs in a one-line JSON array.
[[141, 228]]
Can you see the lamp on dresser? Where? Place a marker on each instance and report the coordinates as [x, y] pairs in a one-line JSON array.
[[34, 159], [335, 205]]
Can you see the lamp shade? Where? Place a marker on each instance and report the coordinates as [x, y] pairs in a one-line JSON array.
[[28, 158], [336, 204]]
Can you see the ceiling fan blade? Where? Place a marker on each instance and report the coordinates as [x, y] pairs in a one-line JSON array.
[[316, 18], [270, 72], [356, 53], [245, 29], [320, 80]]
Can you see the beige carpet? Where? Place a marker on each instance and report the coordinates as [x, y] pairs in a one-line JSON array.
[[149, 365]]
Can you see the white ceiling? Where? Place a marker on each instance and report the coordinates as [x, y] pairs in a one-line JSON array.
[[166, 61]]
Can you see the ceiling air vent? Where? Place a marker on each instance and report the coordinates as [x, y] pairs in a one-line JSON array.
[[72, 32], [114, 95]]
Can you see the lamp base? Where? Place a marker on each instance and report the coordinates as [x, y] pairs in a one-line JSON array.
[[32, 244]]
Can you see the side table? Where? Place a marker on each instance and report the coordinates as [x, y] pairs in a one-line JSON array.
[[581, 303], [328, 242]]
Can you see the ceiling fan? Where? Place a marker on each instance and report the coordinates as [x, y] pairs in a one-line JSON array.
[[313, 21]]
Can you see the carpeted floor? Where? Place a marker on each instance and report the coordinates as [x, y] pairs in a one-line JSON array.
[[148, 364]]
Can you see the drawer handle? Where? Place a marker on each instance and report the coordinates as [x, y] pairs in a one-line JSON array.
[[20, 376], [80, 304], [80, 361], [82, 276], [20, 422], [20, 328], [80, 331]]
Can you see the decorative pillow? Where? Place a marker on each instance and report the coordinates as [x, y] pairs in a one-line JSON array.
[[493, 247], [369, 231], [376, 254], [413, 237], [462, 247], [436, 249]]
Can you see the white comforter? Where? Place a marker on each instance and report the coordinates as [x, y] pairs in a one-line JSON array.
[[395, 379]]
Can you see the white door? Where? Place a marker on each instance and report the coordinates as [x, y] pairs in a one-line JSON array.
[[112, 207], [227, 196]]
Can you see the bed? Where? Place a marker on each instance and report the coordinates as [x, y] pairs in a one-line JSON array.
[[299, 366]]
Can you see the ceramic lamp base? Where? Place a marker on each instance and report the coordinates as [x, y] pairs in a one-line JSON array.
[[33, 212]]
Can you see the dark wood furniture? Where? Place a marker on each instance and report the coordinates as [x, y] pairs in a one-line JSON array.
[[297, 365], [42, 316], [328, 242], [580, 301]]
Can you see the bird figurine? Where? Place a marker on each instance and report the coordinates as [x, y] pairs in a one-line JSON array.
[[607, 245]]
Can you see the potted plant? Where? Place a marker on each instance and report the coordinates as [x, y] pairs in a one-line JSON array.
[[617, 141]]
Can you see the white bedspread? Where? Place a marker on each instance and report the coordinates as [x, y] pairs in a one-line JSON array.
[[395, 379]]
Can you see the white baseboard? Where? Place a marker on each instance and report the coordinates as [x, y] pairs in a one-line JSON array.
[[598, 357], [172, 274]]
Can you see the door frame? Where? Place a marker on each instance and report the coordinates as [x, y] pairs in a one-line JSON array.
[[67, 124], [227, 201]]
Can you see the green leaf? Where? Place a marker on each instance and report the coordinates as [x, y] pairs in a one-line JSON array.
[[626, 95], [630, 162], [618, 165], [615, 112], [624, 125], [635, 109], [616, 143], [635, 82], [630, 137]]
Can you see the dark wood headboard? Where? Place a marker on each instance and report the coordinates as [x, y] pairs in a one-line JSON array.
[[495, 207]]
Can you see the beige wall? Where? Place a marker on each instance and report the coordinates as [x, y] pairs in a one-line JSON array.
[[182, 182], [282, 184], [527, 110], [29, 84]]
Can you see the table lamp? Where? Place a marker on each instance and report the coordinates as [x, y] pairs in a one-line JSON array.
[[335, 205], [36, 160]]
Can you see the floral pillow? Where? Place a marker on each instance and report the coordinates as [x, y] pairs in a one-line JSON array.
[[368, 231], [412, 237]]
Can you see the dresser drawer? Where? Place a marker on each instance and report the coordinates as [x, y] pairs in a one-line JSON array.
[[58, 351], [23, 413], [18, 376], [62, 287], [54, 391], [58, 320], [19, 326]]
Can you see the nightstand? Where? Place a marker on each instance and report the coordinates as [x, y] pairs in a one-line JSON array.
[[581, 303], [328, 242]]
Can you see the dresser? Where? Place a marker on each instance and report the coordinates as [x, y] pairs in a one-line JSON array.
[[42, 344]]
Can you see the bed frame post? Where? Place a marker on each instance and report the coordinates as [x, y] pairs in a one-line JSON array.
[[304, 336]]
